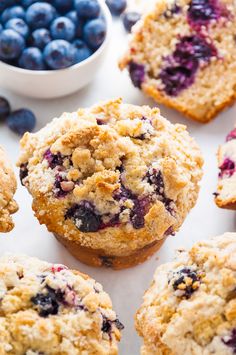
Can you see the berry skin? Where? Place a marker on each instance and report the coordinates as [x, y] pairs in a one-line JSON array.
[[27, 3], [6, 3], [116, 6], [1, 28], [129, 19], [63, 5], [12, 12], [82, 50], [59, 54], [18, 25], [11, 44], [78, 22], [4, 108], [87, 8], [40, 15], [95, 33], [21, 121], [32, 59], [62, 28], [40, 38]]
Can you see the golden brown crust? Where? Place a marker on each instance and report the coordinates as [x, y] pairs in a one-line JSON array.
[[7, 189]]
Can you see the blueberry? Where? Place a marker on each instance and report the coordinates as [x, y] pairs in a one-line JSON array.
[[78, 22], [95, 33], [4, 108], [32, 59], [23, 172], [107, 325], [1, 28], [21, 121], [87, 8], [227, 168], [62, 28], [174, 9], [116, 6], [187, 281], [231, 135], [40, 38], [40, 15], [11, 44], [82, 50], [18, 25], [6, 3], [48, 302], [201, 12], [230, 340], [59, 54], [13, 12], [27, 3], [137, 73], [85, 217], [129, 19], [138, 212], [63, 5], [54, 160]]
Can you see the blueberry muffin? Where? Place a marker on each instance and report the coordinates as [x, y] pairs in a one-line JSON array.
[[182, 53], [7, 189], [48, 309], [190, 307], [225, 197], [112, 181]]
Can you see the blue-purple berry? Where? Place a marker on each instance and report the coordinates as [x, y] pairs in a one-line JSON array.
[[116, 6], [137, 73], [40, 15], [40, 38], [21, 121], [78, 22], [48, 302], [32, 59], [5, 108], [82, 50], [130, 18], [19, 26], [12, 44], [63, 28], [59, 54], [94, 33], [12, 12], [88, 9], [63, 6]]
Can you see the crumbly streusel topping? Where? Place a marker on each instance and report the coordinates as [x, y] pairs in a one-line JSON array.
[[190, 307], [48, 309], [7, 189], [121, 171], [225, 195]]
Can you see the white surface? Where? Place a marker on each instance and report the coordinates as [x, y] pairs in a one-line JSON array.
[[47, 84], [125, 287]]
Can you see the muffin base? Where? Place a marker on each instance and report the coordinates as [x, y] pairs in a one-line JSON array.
[[97, 258]]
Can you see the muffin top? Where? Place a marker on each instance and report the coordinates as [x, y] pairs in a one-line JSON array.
[[7, 190], [49, 309], [120, 170], [190, 307]]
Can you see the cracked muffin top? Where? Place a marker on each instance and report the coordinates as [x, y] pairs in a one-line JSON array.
[[7, 190], [48, 309], [114, 176], [190, 306]]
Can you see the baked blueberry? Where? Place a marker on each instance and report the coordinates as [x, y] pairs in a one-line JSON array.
[[137, 74], [12, 44], [63, 28], [54, 160], [230, 340], [47, 302]]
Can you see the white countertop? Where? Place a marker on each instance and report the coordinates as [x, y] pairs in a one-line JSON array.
[[205, 220]]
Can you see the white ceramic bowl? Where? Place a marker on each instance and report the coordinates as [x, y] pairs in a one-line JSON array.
[[47, 84]]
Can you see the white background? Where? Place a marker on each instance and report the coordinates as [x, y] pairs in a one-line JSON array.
[[205, 220]]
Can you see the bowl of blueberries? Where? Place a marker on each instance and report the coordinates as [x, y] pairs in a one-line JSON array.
[[53, 48]]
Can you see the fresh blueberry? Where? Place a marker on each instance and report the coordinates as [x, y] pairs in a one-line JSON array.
[[59, 54], [82, 50], [129, 19], [27, 3], [32, 59], [40, 15], [11, 44], [62, 28], [78, 22], [13, 12], [95, 33], [87, 8], [137, 73], [40, 38], [21, 121], [6, 3], [116, 6], [18, 25], [1, 28], [63, 5], [4, 108], [85, 217]]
